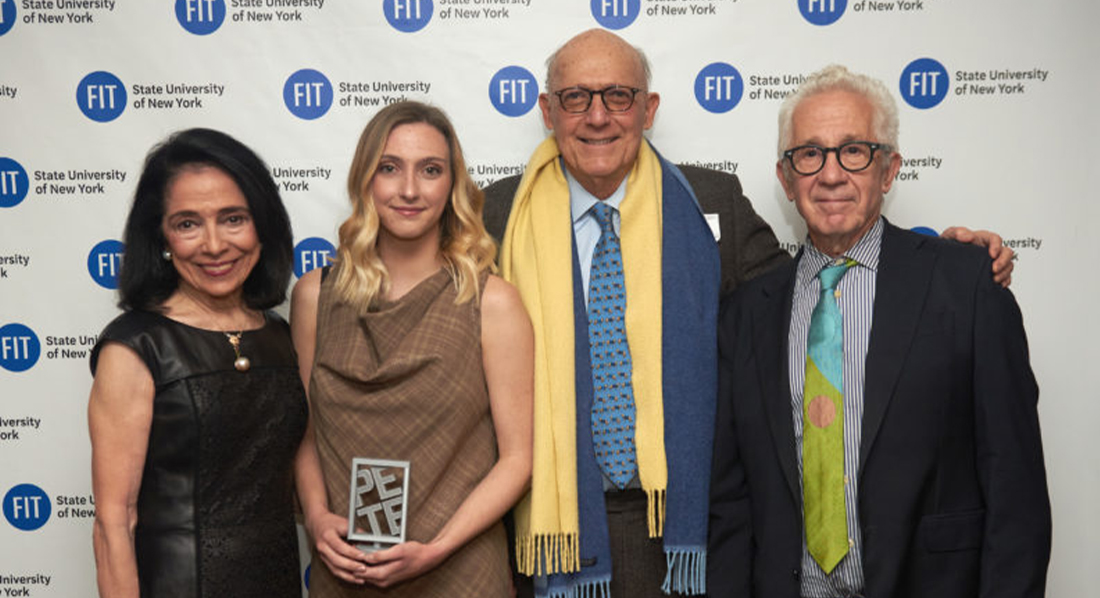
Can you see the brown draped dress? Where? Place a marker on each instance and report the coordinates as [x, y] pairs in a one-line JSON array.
[[406, 382]]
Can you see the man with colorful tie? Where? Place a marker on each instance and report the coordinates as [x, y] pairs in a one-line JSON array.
[[877, 431], [618, 501]]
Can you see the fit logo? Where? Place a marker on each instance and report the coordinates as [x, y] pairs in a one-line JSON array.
[[924, 83], [719, 87], [200, 17], [308, 94], [513, 91], [408, 15], [13, 183], [105, 263], [27, 507], [7, 15], [822, 12], [311, 253], [616, 14], [19, 348], [101, 96]]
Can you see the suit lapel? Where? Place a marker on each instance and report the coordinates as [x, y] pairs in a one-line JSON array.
[[901, 287], [771, 324]]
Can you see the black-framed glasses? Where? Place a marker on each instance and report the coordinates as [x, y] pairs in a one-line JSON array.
[[853, 156], [616, 98]]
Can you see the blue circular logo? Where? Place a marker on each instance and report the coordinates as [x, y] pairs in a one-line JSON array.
[[616, 14], [105, 262], [311, 253], [924, 230], [27, 507], [924, 83], [513, 91], [408, 15], [14, 183], [19, 348], [308, 94], [822, 12], [201, 17], [718, 87], [101, 96], [7, 15]]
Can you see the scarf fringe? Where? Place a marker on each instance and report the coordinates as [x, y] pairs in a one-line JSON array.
[[655, 512], [600, 588], [545, 554], [687, 571]]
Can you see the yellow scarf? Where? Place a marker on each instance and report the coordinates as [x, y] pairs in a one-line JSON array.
[[536, 258]]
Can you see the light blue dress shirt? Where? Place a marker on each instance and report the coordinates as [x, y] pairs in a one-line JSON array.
[[586, 229]]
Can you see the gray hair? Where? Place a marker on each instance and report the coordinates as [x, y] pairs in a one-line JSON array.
[[884, 121]]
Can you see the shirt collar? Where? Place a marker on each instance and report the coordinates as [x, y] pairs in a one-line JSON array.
[[581, 201], [865, 252]]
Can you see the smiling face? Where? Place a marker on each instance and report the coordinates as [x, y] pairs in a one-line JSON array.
[[208, 228], [412, 184], [839, 207], [599, 147]]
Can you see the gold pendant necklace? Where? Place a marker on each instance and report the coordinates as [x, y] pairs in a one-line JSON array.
[[242, 363]]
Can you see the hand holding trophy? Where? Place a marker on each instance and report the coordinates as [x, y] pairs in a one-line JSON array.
[[378, 503]]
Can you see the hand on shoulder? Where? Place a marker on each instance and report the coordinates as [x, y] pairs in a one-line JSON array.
[[1003, 256]]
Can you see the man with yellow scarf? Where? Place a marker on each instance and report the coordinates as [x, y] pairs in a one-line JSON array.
[[625, 390]]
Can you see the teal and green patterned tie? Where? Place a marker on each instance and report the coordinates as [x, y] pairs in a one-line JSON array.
[[613, 394], [823, 426]]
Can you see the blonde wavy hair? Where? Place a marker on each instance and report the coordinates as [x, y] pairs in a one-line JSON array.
[[466, 247]]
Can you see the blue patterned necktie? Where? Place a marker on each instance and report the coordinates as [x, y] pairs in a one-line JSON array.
[[823, 426], [613, 399]]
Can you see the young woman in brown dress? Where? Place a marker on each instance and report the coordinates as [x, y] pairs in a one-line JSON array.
[[411, 350]]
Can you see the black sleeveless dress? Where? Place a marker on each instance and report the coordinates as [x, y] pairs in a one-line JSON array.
[[216, 506]]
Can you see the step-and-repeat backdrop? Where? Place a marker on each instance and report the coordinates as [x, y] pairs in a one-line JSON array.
[[999, 130]]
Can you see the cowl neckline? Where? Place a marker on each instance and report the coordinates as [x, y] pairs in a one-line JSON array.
[[425, 289]]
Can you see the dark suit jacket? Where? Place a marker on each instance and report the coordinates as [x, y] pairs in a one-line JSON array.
[[952, 490], [747, 246]]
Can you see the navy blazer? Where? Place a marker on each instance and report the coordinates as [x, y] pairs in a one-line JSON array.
[[952, 488]]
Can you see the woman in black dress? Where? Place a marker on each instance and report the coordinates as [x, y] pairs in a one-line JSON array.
[[196, 411]]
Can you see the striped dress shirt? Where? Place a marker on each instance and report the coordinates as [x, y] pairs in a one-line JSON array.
[[856, 301]]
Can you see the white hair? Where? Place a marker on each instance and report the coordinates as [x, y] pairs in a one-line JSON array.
[[884, 121]]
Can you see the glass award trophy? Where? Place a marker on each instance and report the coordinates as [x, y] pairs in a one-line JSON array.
[[378, 503]]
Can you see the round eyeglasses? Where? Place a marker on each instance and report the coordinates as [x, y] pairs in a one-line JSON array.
[[616, 98], [853, 156]]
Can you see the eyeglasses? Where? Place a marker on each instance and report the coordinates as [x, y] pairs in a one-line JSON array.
[[616, 98], [853, 156]]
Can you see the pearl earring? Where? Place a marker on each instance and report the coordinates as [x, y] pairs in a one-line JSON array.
[[167, 255]]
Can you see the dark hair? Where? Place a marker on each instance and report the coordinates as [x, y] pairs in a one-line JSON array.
[[147, 279]]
